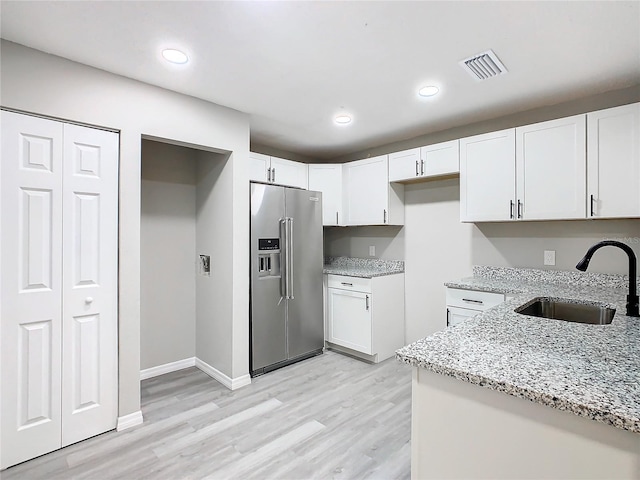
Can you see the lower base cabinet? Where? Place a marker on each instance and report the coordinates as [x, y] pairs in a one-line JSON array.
[[463, 304], [365, 316]]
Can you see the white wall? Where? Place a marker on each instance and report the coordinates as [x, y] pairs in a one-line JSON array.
[[36, 82], [355, 241], [167, 254]]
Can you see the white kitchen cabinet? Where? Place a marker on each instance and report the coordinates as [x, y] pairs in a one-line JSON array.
[[440, 159], [369, 197], [463, 304], [551, 169], [266, 169], [487, 177], [327, 178], [405, 165], [59, 277], [365, 316], [613, 162], [425, 162], [535, 172]]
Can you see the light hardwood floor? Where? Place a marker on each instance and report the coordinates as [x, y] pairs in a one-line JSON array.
[[331, 416]]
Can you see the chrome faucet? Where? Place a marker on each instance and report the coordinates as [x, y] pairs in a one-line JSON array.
[[632, 298]]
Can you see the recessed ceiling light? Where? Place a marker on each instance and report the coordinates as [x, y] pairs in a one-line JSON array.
[[428, 91], [342, 119], [175, 56]]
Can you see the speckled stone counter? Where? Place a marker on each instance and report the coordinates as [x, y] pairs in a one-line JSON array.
[[590, 370], [362, 267]]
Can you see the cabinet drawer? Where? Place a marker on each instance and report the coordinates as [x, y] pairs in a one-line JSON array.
[[345, 282], [473, 299]]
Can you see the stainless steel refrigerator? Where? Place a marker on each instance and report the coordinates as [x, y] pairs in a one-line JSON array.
[[286, 314]]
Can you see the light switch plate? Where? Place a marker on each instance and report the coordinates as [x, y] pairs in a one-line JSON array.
[[549, 257], [372, 250]]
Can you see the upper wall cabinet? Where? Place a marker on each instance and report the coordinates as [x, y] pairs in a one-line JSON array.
[[263, 168], [613, 162], [536, 172], [327, 178], [369, 198], [551, 169], [426, 162], [487, 177]]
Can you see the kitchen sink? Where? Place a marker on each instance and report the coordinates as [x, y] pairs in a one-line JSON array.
[[560, 309]]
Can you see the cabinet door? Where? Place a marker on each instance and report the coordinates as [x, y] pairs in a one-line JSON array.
[[289, 173], [551, 169], [31, 280], [327, 178], [487, 177], [405, 165], [349, 319], [440, 159], [90, 282], [457, 315], [367, 191], [613, 162], [258, 165]]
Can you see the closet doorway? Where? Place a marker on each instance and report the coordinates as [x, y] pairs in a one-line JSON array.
[[183, 214]]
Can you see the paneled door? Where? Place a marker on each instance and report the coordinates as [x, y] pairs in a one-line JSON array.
[[31, 287], [89, 270], [58, 258]]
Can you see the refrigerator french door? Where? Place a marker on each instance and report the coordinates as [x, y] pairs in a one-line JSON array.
[[286, 314]]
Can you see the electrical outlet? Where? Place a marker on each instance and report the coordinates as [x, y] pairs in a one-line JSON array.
[[372, 250], [549, 257]]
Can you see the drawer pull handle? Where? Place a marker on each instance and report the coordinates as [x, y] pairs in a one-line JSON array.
[[347, 284], [367, 302], [480, 302]]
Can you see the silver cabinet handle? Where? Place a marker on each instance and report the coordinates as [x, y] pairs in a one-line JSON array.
[[592, 209], [417, 169], [511, 209], [519, 209], [268, 174], [479, 302], [273, 174], [366, 300], [448, 313], [347, 284], [384, 216], [337, 221], [421, 167]]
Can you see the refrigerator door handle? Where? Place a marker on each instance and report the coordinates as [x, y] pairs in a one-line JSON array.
[[289, 246], [283, 260]]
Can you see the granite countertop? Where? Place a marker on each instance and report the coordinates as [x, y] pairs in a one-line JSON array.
[[362, 267], [590, 370]]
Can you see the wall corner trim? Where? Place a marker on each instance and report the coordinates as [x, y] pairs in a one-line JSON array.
[[167, 368], [130, 420], [230, 383]]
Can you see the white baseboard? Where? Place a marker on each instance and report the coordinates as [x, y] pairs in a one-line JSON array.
[[230, 383], [167, 368], [128, 421]]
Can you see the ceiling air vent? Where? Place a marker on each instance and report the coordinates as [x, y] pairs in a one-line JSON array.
[[483, 65]]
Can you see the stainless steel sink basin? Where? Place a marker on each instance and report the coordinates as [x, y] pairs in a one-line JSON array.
[[560, 309]]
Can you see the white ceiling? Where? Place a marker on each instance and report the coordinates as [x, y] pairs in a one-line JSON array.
[[294, 65]]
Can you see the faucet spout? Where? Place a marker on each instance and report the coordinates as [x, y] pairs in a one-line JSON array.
[[632, 298]]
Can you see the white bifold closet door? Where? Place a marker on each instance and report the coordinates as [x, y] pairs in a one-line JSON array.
[[58, 285]]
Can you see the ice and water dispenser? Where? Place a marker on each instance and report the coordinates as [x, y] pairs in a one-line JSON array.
[[269, 257]]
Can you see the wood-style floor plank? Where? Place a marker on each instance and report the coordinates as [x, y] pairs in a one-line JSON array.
[[331, 416]]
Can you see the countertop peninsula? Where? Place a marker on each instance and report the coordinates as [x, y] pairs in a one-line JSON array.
[[590, 370]]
